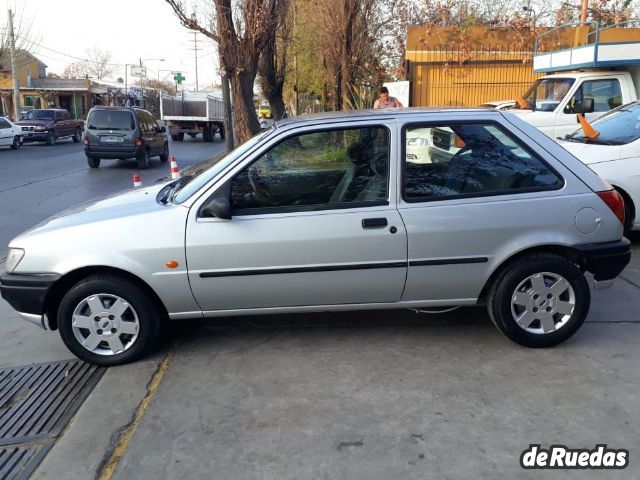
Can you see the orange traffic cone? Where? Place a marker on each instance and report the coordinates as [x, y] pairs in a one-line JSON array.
[[137, 181], [175, 171]]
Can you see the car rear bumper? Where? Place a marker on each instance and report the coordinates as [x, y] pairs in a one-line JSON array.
[[605, 260], [112, 152], [26, 293]]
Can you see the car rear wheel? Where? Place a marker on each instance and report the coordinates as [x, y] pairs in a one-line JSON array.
[[540, 300], [51, 138], [108, 320], [77, 135], [143, 159], [93, 162], [17, 143], [165, 153]]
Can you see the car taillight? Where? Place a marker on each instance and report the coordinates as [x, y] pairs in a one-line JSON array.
[[138, 141], [614, 201], [86, 141]]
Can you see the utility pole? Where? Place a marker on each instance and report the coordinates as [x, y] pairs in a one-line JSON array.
[[195, 54], [14, 69]]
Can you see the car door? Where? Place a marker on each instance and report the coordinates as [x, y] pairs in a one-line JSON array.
[[466, 212], [6, 132], [606, 94], [313, 223], [158, 139]]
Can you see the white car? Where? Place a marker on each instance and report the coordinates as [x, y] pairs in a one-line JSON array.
[[614, 155], [10, 134], [499, 105]]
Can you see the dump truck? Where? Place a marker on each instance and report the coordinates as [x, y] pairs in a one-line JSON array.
[[193, 113]]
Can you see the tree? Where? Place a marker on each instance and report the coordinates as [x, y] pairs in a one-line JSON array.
[[241, 30], [97, 65], [24, 36], [272, 66]]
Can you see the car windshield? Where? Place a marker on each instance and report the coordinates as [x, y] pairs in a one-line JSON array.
[[546, 94], [617, 127], [39, 115], [199, 175], [110, 120]]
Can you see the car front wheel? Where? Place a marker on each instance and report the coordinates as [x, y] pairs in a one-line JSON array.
[[17, 143], [108, 320], [51, 138], [540, 300]]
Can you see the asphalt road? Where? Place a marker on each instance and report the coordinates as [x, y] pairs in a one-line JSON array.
[[38, 181]]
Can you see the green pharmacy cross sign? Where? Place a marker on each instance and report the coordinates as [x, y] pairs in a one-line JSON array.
[[179, 78]]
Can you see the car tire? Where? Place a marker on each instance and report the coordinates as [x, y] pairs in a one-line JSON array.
[[165, 153], [180, 137], [17, 143], [51, 138], [629, 212], [77, 135], [93, 162], [143, 159], [124, 327], [539, 300], [221, 132], [174, 137]]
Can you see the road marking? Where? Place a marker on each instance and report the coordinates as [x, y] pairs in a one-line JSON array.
[[110, 466]]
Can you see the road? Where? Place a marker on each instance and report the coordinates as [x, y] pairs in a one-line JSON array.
[[363, 395], [38, 181]]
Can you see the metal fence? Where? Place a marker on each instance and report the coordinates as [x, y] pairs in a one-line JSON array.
[[468, 76]]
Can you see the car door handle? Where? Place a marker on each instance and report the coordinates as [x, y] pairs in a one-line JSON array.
[[374, 222]]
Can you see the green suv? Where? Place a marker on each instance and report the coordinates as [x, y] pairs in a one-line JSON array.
[[122, 133]]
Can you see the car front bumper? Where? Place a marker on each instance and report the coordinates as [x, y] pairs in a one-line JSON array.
[[26, 293], [605, 260], [34, 136]]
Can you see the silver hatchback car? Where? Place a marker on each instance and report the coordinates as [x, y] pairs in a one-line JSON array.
[[328, 213]]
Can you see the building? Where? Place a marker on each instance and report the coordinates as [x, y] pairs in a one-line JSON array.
[[39, 91]]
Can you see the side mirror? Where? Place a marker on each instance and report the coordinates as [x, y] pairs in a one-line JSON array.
[[219, 207], [585, 106]]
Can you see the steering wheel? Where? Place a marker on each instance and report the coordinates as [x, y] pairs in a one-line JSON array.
[[259, 185]]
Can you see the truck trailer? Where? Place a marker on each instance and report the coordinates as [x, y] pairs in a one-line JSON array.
[[193, 113]]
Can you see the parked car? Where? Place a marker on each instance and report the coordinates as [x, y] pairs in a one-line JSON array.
[[10, 134], [324, 213], [49, 125], [614, 155], [499, 105], [122, 133]]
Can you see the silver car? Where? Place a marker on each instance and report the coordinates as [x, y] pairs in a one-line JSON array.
[[326, 213]]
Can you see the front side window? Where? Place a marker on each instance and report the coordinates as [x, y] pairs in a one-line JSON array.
[[328, 169], [471, 160], [618, 127], [606, 95], [4, 123]]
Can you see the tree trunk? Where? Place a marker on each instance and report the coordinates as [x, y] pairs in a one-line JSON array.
[[244, 114]]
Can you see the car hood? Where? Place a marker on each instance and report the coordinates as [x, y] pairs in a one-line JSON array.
[[589, 153], [118, 205], [33, 122]]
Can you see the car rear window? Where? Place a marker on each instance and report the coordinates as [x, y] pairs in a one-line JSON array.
[[110, 120]]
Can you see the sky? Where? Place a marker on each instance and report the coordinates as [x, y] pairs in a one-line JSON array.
[[129, 29]]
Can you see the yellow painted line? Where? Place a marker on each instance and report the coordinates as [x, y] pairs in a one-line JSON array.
[[123, 444]]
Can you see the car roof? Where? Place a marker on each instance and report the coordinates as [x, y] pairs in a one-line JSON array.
[[370, 114]]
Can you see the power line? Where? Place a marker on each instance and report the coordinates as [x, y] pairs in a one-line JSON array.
[[73, 56]]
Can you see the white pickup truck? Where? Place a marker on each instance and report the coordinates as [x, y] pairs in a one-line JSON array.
[[600, 70], [552, 102]]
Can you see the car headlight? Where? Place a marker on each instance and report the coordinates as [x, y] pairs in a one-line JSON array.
[[39, 129], [14, 257]]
